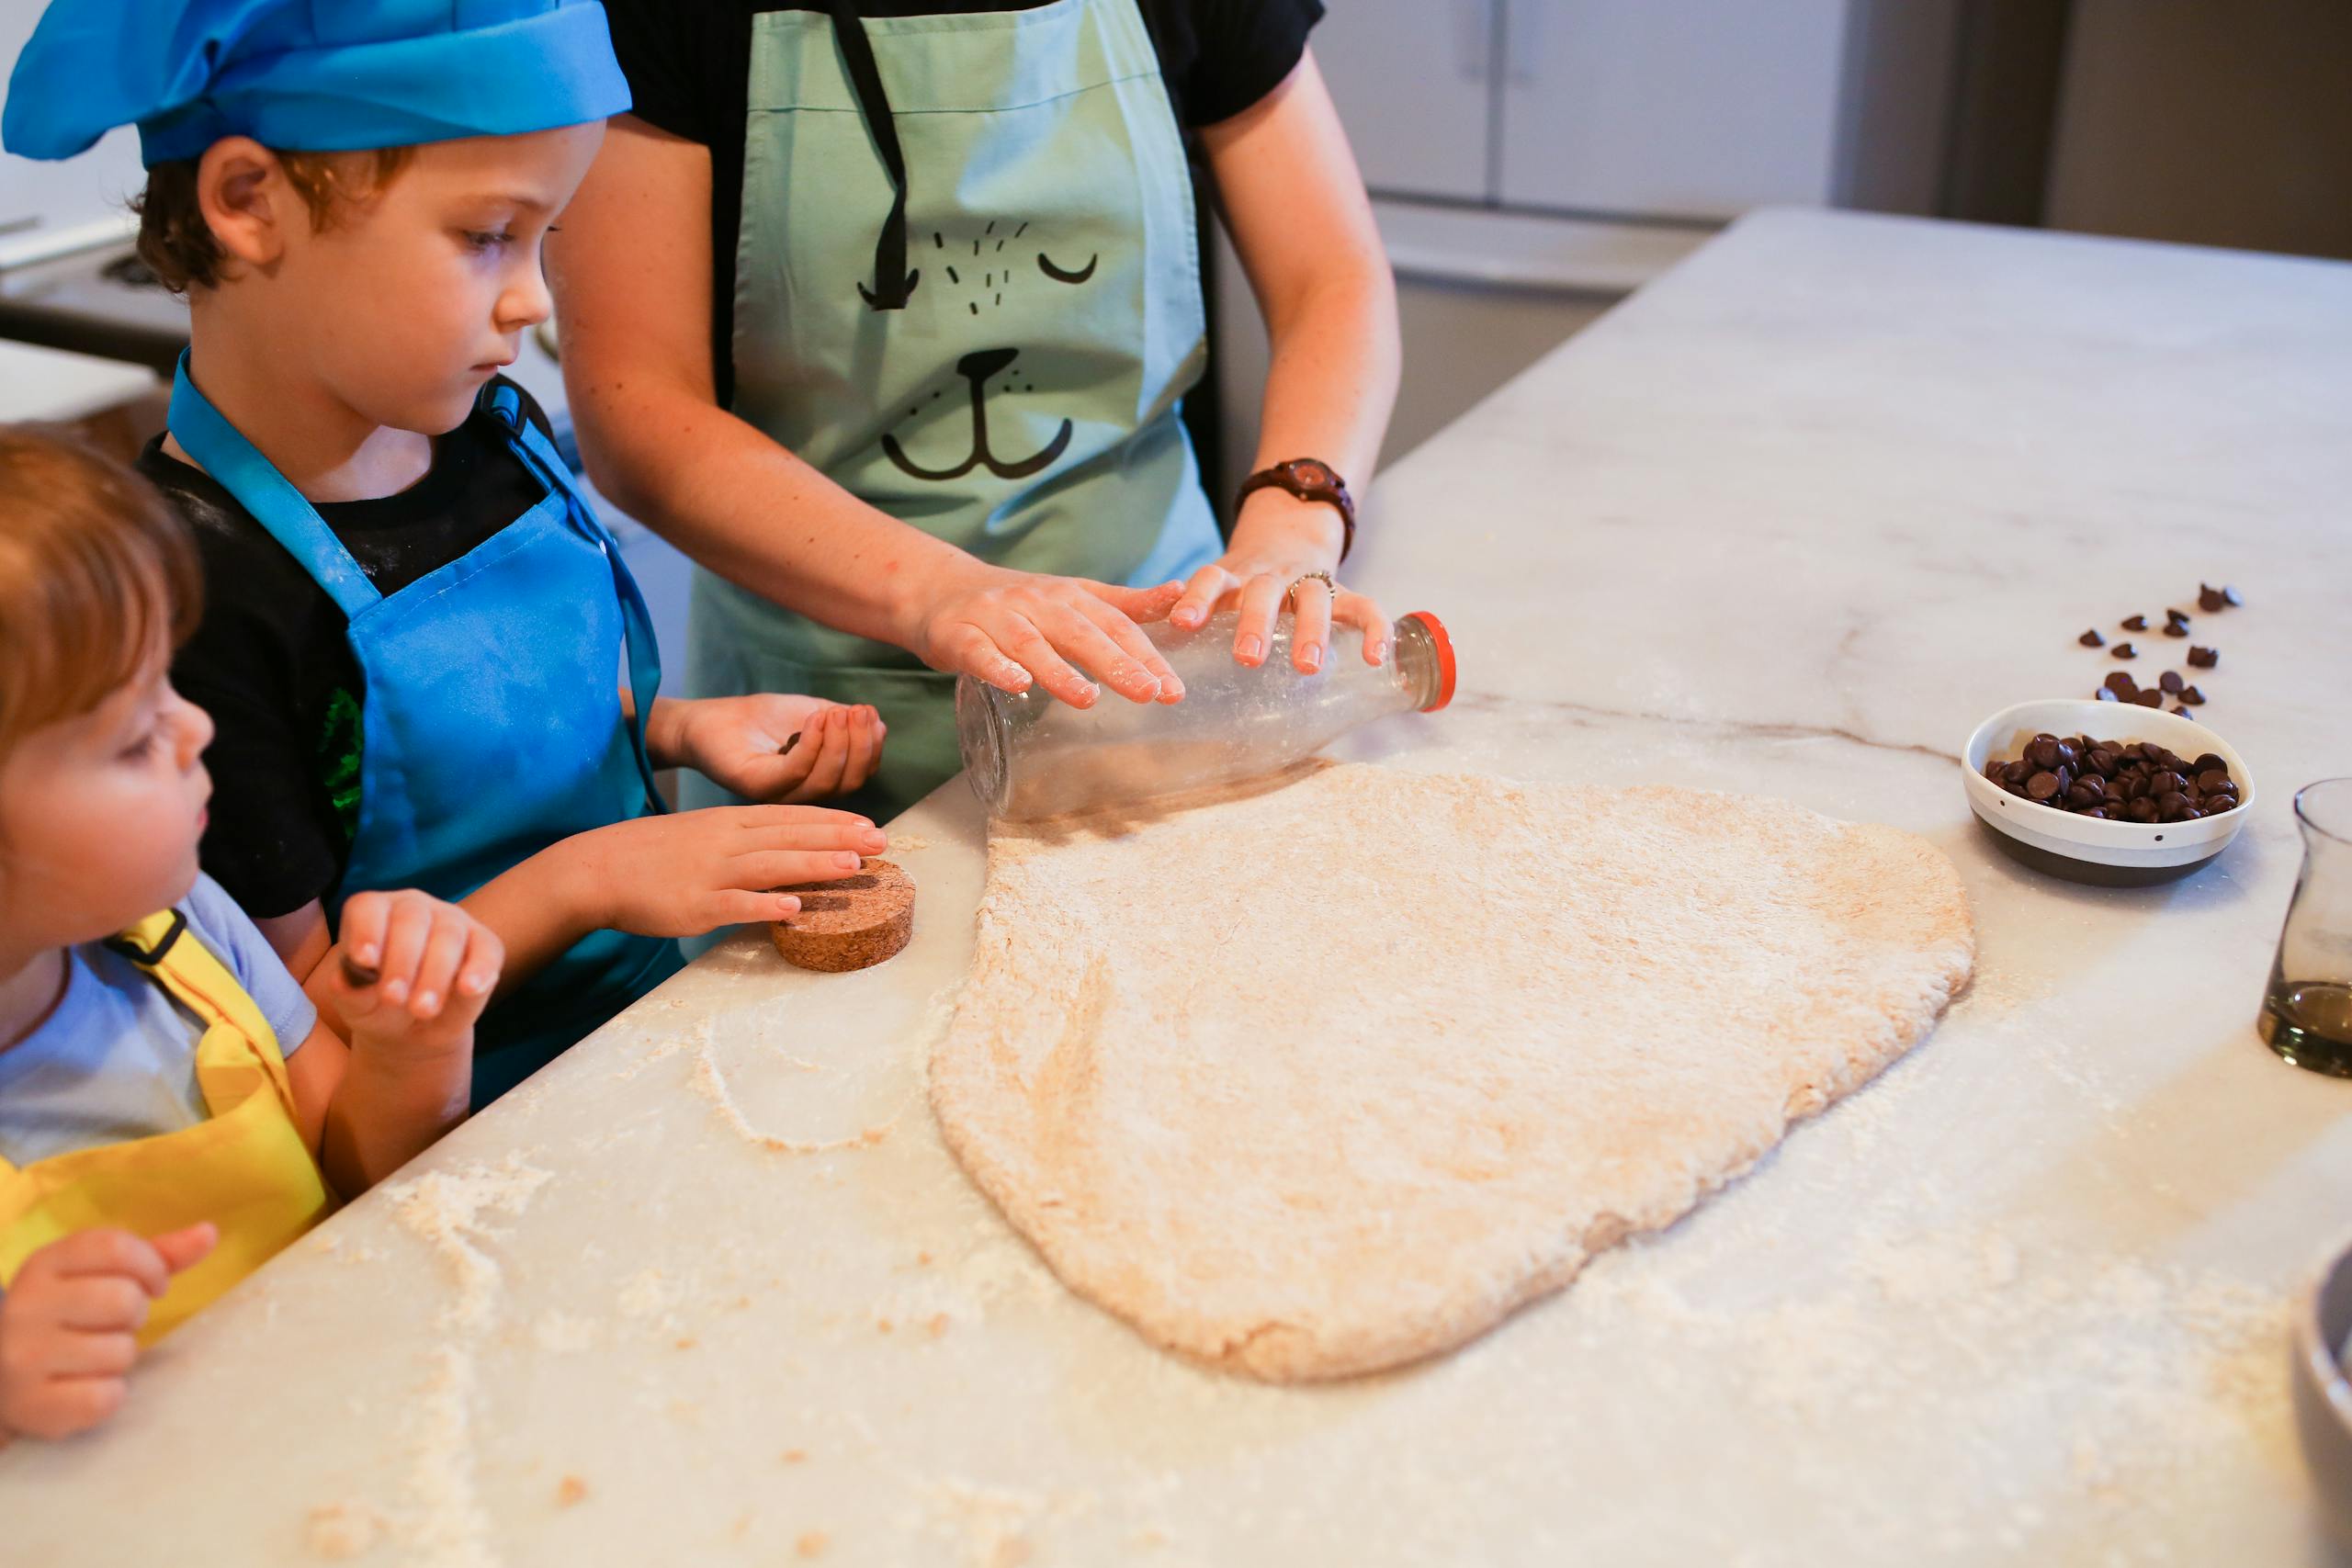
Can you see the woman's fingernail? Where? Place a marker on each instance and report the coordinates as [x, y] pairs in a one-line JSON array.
[[1376, 651], [1249, 650], [427, 1001], [395, 991], [367, 953], [847, 861], [1310, 657], [787, 906], [474, 985], [873, 841]]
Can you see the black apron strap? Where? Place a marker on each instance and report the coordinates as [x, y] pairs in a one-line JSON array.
[[892, 282]]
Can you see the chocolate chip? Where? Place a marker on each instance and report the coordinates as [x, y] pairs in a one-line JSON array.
[[2214, 779], [2105, 694], [2092, 640], [2175, 628], [2177, 617], [2150, 699], [2192, 696], [2135, 623], [2101, 760], [2099, 812], [2209, 598], [2125, 650], [2170, 681], [2121, 681], [2171, 804], [2042, 787], [2204, 658], [2181, 711], [2043, 750], [2210, 761], [2165, 781], [2070, 752], [2141, 809]]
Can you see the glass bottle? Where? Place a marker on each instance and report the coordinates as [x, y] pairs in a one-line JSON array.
[[2307, 1012], [1032, 756]]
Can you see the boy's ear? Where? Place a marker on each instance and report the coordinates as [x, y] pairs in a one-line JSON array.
[[246, 199]]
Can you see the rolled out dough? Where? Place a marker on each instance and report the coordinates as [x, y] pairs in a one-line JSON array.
[[1328, 1078]]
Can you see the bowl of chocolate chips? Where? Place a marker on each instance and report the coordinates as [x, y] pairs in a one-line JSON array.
[[2115, 795]]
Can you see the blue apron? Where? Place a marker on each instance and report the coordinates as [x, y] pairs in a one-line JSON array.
[[491, 724], [968, 290]]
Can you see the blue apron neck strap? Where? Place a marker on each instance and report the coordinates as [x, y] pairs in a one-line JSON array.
[[222, 451]]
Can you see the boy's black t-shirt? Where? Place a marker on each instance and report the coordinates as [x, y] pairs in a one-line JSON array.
[[688, 63], [272, 664]]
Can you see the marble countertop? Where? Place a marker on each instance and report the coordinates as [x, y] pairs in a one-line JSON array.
[[1791, 521]]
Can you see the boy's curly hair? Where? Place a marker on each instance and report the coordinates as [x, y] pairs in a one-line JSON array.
[[180, 246]]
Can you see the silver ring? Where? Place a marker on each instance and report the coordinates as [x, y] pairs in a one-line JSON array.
[[1290, 596]]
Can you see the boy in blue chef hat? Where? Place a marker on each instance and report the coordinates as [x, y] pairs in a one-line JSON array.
[[414, 623]]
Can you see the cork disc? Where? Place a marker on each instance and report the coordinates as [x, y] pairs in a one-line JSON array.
[[854, 923]]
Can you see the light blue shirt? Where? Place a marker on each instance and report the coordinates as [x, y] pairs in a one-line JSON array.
[[117, 1059]]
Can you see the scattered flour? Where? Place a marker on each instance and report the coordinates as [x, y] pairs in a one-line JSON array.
[[560, 1334], [444, 1523], [341, 1531], [648, 1294], [711, 1084], [446, 1209]]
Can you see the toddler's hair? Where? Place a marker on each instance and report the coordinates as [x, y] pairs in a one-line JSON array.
[[96, 573], [178, 245]]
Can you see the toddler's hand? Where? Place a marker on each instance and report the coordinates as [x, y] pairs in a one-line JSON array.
[[412, 972], [773, 747], [69, 1324], [693, 872]]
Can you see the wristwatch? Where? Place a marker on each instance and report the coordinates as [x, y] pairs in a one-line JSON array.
[[1310, 480]]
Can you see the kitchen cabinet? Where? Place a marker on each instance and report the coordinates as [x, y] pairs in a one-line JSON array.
[[1693, 111]]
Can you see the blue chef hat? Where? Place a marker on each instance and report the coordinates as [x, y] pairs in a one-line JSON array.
[[307, 75]]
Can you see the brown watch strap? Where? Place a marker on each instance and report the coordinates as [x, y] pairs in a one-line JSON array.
[[1309, 479]]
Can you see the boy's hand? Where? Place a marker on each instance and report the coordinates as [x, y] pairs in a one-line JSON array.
[[693, 872], [69, 1324], [773, 747], [414, 973]]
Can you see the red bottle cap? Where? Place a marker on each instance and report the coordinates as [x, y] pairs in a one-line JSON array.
[[1444, 646]]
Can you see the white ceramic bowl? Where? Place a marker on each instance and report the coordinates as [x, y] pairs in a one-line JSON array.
[[2086, 849], [2323, 1394]]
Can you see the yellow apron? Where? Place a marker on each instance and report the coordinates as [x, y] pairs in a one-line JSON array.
[[245, 1167]]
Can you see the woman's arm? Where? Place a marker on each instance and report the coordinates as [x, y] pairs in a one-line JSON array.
[[1302, 225], [631, 272]]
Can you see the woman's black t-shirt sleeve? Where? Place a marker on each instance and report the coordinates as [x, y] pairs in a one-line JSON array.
[[675, 55], [1223, 56]]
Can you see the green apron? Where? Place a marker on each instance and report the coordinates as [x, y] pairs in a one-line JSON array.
[[1017, 392]]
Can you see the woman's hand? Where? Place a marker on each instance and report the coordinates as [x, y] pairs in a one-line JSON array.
[[1279, 540], [770, 746], [69, 1325], [1011, 627], [693, 872]]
